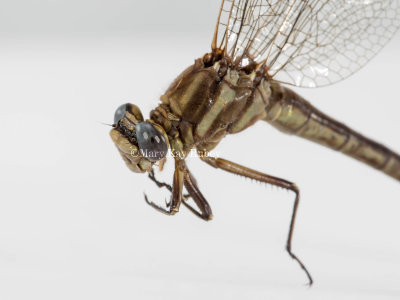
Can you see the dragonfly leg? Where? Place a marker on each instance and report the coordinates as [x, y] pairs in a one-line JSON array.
[[198, 198], [234, 168], [194, 192], [166, 185], [176, 190], [159, 183]]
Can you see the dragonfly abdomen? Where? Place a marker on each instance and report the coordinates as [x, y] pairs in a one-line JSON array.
[[292, 114]]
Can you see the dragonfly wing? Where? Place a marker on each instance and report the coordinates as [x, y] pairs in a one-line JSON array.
[[306, 43]]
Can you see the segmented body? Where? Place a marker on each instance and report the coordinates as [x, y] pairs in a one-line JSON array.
[[211, 104], [205, 103], [256, 46]]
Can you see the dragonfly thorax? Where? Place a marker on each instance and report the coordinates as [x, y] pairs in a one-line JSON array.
[[210, 99]]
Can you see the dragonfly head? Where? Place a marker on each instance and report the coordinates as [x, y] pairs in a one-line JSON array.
[[140, 143]]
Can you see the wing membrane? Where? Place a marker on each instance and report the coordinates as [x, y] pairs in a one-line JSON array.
[[306, 43]]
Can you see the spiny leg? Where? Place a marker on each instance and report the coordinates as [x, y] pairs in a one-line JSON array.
[[194, 192], [198, 198], [166, 185], [234, 168], [176, 191], [159, 183]]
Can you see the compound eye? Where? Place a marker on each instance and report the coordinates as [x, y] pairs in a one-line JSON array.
[[152, 143], [120, 112]]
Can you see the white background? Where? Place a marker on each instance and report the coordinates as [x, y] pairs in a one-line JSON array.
[[73, 222]]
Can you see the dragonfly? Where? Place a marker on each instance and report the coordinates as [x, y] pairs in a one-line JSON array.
[[259, 49]]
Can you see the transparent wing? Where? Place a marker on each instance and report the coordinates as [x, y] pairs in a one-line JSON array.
[[306, 43]]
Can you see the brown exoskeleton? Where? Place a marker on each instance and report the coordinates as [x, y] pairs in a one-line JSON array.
[[239, 83]]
